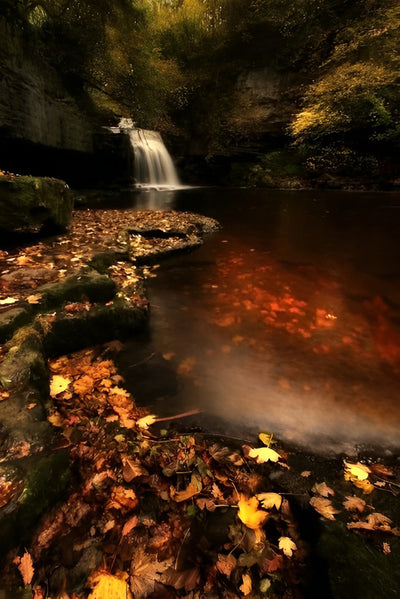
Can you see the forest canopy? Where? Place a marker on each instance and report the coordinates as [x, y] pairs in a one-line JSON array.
[[176, 64]]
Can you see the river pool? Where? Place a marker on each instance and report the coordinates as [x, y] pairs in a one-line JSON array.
[[286, 320]]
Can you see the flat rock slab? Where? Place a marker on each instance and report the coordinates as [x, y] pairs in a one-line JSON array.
[[29, 202]]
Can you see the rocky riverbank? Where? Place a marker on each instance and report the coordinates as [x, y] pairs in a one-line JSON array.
[[166, 514]]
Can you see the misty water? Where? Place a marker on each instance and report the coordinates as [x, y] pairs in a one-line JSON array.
[[286, 320]]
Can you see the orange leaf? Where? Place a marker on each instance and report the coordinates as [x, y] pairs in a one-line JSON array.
[[25, 566], [249, 513], [187, 493], [129, 525], [246, 585]]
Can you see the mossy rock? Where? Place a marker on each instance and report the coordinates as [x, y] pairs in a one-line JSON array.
[[84, 285], [29, 202], [43, 480], [11, 320], [71, 332]]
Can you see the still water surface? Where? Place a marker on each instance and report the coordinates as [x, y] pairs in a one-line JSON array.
[[286, 320]]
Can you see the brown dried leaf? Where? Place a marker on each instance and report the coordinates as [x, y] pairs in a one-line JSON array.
[[190, 491], [130, 525], [132, 468], [185, 579], [122, 499], [83, 385], [324, 507], [145, 571], [381, 470], [7, 490], [226, 563]]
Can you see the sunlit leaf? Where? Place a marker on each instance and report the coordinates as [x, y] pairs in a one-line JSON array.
[[287, 546], [58, 384], [270, 500], [266, 438], [146, 421], [246, 586], [34, 299], [249, 513], [264, 454], [8, 301], [358, 471], [106, 585]]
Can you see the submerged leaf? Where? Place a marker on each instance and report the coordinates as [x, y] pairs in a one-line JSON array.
[[324, 507], [354, 504], [322, 489]]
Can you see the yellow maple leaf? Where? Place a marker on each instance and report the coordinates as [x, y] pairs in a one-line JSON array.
[[266, 438], [264, 454], [270, 500], [246, 585], [146, 421], [105, 585], [358, 471], [58, 384], [249, 513], [287, 546]]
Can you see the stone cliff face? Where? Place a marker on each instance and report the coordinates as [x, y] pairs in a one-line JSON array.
[[33, 104]]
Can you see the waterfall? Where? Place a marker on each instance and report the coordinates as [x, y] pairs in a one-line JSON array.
[[153, 165]]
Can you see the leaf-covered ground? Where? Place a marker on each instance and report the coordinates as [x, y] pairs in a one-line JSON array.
[[154, 513], [172, 515]]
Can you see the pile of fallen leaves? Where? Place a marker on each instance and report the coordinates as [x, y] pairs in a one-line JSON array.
[[154, 516], [172, 515]]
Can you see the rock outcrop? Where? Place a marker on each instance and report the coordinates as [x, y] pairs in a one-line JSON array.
[[27, 202], [34, 105]]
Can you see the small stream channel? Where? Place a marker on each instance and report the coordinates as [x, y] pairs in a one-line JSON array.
[[286, 320]]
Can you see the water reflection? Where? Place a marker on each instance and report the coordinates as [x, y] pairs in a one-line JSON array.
[[155, 199], [287, 320]]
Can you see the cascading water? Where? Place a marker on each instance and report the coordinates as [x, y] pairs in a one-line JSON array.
[[153, 165]]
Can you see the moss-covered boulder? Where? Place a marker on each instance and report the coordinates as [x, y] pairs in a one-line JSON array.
[[28, 202]]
